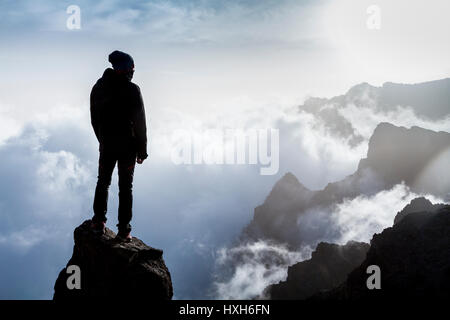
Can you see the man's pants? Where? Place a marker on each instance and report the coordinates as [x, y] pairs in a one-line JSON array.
[[125, 163]]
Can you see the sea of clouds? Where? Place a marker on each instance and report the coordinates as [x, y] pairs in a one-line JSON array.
[[193, 212]]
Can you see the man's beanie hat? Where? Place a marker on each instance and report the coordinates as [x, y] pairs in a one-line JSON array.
[[121, 61]]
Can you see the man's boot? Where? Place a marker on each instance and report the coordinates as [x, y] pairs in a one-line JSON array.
[[124, 236], [98, 227]]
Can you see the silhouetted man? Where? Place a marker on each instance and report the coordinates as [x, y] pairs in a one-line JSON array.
[[118, 119]]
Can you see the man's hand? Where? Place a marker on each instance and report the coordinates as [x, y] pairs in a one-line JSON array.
[[140, 157]]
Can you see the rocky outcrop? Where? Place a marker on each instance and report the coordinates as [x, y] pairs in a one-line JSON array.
[[328, 267], [413, 257], [417, 205], [113, 269]]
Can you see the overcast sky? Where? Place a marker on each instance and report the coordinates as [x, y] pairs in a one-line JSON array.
[[199, 64]]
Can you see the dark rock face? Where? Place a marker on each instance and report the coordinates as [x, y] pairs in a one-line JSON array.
[[428, 99], [113, 269], [398, 153], [417, 205], [328, 267], [414, 259], [395, 155], [286, 198]]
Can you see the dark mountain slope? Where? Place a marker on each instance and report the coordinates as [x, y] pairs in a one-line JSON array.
[[328, 267], [413, 257]]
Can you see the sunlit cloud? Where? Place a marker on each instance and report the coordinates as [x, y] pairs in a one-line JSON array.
[[254, 266], [360, 218]]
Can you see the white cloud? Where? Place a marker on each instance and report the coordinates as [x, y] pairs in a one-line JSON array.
[[25, 239], [9, 126], [359, 218], [44, 185], [254, 266], [232, 22], [60, 171]]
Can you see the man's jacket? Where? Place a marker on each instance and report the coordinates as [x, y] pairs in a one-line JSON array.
[[118, 114]]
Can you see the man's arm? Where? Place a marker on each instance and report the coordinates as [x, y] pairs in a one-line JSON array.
[[95, 119], [140, 127]]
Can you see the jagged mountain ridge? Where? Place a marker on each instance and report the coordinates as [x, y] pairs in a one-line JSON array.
[[395, 155], [417, 205]]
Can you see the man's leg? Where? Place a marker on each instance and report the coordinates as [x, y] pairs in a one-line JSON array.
[[106, 164], [126, 165]]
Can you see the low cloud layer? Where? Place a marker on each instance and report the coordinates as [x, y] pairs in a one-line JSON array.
[[359, 218], [253, 266]]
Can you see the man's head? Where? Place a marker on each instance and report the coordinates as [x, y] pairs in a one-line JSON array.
[[122, 63]]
